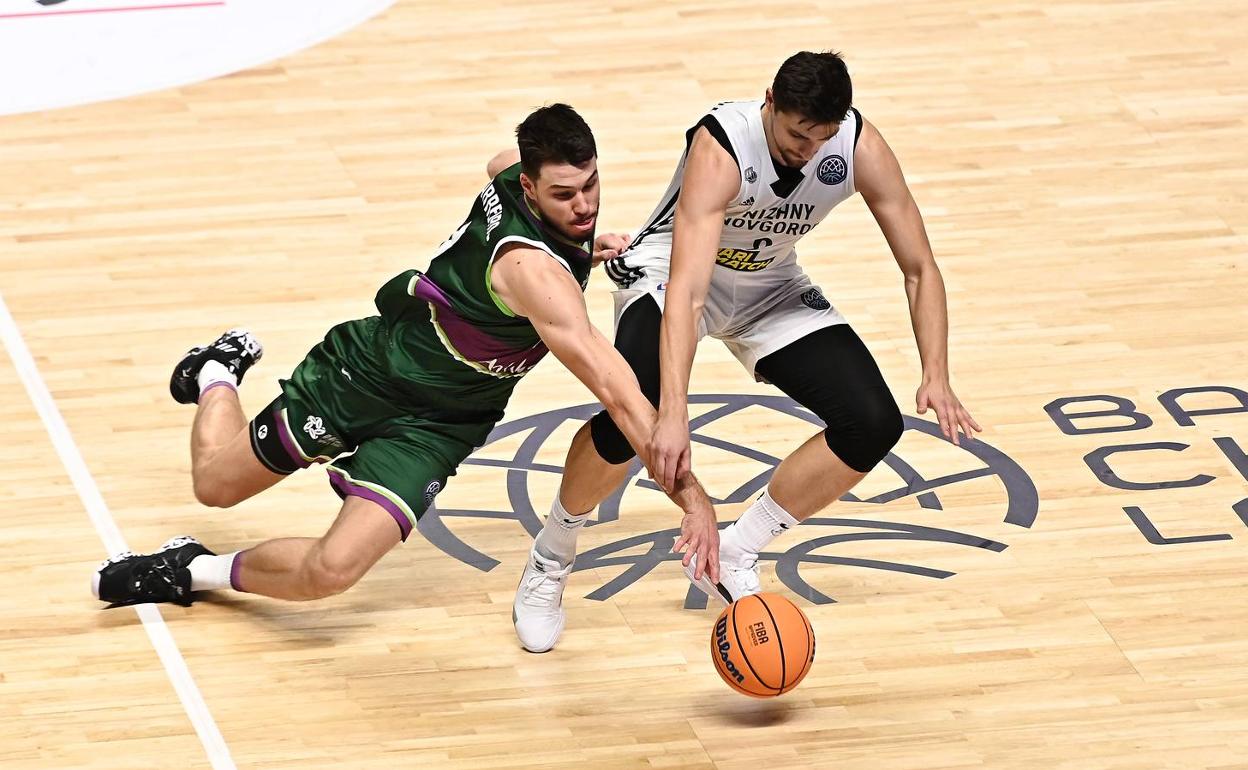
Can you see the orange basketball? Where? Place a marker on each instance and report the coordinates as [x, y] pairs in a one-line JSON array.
[[762, 645]]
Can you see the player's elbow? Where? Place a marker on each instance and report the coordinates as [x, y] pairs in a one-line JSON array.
[[679, 297], [500, 162]]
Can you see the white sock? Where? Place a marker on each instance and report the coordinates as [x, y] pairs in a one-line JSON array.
[[210, 573], [557, 540], [761, 523], [214, 373]]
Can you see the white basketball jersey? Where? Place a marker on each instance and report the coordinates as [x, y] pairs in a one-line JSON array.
[[774, 207]]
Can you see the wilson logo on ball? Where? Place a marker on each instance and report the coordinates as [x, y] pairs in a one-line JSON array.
[[723, 648]]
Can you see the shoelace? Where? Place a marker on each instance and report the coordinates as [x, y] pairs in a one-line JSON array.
[[157, 580], [542, 588]]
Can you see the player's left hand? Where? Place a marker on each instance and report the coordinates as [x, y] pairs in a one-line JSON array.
[[669, 453], [952, 416], [609, 246]]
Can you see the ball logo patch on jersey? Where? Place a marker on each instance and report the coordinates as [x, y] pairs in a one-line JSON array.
[[832, 170], [745, 260], [814, 299]]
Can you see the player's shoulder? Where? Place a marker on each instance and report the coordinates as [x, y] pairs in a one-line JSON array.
[[735, 116]]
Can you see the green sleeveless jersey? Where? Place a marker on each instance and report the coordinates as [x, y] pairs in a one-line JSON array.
[[444, 342]]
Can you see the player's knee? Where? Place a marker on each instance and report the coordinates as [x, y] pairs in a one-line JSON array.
[[866, 438], [326, 575], [609, 440], [214, 493]]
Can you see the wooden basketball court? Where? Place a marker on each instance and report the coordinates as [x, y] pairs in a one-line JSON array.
[[1081, 171]]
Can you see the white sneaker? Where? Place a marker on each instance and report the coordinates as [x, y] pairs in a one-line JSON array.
[[537, 612], [735, 580]]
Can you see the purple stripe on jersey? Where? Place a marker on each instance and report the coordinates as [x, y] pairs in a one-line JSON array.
[[346, 488], [235, 567], [487, 351], [288, 441]]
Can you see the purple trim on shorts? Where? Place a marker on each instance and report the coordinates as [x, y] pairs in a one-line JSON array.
[[288, 441], [346, 488], [212, 385], [236, 567]]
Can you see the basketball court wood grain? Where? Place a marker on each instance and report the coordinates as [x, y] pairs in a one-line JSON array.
[[1080, 168]]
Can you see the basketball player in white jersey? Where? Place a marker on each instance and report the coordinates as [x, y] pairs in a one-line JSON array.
[[717, 258]]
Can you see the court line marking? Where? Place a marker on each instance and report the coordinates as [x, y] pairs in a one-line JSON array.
[[114, 542], [122, 9]]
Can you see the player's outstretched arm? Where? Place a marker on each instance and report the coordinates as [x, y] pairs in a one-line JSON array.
[[536, 287], [711, 180], [878, 177]]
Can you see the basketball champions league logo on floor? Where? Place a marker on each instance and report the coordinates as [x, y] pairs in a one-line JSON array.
[[810, 544]]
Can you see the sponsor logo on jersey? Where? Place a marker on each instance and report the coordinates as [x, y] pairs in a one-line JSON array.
[[745, 260], [814, 299], [314, 427], [516, 369], [832, 170], [784, 219]]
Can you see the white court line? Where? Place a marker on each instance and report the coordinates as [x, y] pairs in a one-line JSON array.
[[106, 527]]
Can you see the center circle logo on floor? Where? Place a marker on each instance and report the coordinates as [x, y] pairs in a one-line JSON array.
[[66, 52], [939, 477]]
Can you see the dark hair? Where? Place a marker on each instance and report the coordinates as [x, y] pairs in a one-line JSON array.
[[815, 86], [553, 134]]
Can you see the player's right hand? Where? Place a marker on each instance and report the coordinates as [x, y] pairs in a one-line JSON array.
[[699, 537], [669, 452], [609, 246]]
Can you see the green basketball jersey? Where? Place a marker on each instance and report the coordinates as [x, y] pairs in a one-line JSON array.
[[444, 342]]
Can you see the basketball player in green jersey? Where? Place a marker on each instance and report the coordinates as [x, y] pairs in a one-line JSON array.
[[395, 402]]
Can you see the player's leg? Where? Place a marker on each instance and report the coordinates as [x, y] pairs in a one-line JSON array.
[[597, 463], [831, 373], [803, 346], [293, 568], [224, 469], [845, 389], [305, 568], [386, 485]]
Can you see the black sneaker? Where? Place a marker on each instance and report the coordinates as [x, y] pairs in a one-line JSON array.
[[237, 349], [132, 578]]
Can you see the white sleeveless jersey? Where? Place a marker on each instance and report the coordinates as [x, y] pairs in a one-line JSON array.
[[766, 218]]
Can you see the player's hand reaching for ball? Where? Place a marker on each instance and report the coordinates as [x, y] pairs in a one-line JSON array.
[[950, 413], [699, 537], [609, 246]]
